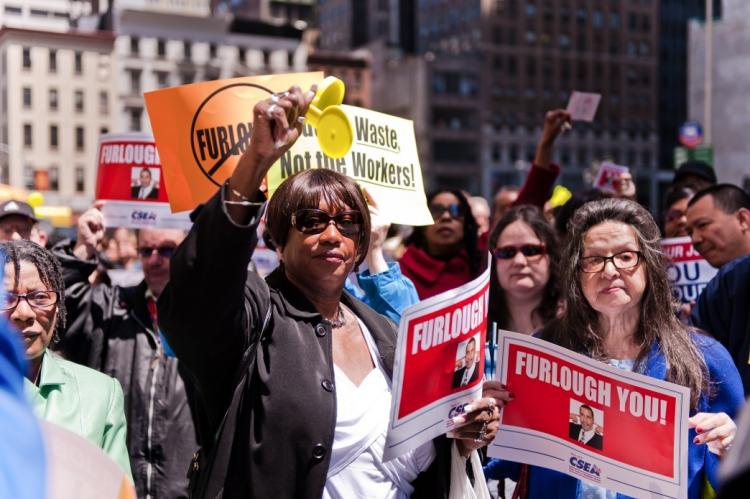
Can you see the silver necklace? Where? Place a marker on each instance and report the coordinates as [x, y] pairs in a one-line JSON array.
[[339, 321]]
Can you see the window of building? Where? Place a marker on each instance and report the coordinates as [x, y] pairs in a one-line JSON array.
[[187, 49], [135, 118], [28, 140], [290, 59], [78, 101], [78, 62], [614, 20], [266, 58], [134, 45], [162, 78], [80, 179], [54, 139], [53, 102], [212, 50], [54, 178], [103, 102], [16, 11], [241, 55], [28, 177], [26, 53], [80, 140], [187, 77], [597, 19], [161, 47], [103, 130], [52, 60], [26, 97], [135, 81]]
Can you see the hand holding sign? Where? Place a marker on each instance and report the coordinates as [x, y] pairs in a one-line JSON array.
[[582, 105], [717, 430], [275, 129]]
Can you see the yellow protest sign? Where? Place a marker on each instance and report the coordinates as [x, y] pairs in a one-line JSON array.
[[383, 159], [201, 130]]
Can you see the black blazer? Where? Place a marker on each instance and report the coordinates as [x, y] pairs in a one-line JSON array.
[[459, 375], [137, 189], [210, 311], [597, 441]]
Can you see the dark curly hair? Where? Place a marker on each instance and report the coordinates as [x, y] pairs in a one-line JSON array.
[[476, 260], [547, 309], [50, 272]]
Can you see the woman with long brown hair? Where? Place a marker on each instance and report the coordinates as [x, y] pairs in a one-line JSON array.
[[618, 309]]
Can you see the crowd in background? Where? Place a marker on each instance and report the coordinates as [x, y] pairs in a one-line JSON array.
[[101, 362]]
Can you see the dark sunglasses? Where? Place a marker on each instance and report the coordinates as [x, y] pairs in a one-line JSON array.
[[314, 221], [165, 251], [455, 210], [527, 250]]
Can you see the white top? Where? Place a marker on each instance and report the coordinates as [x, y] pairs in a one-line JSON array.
[[363, 412]]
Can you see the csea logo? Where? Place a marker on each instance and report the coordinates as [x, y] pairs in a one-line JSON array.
[[579, 466], [456, 410], [143, 216]]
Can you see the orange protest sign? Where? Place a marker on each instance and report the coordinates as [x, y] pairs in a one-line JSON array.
[[202, 129]]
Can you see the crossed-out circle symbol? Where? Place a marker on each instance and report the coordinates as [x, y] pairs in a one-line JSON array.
[[211, 172]]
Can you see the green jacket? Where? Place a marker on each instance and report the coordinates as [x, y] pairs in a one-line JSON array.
[[84, 401]]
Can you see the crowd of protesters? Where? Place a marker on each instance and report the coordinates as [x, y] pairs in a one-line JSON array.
[[167, 351]]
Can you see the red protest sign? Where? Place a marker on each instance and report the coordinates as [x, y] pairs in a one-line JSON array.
[[574, 409], [688, 272], [130, 182], [439, 364]]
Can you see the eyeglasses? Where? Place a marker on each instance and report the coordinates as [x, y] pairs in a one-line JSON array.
[[527, 250], [622, 261], [455, 210], [314, 221], [35, 299], [165, 251]]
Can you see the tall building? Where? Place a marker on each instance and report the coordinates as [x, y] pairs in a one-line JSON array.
[[157, 49], [288, 11], [56, 97], [351, 24], [673, 71], [536, 53], [730, 114]]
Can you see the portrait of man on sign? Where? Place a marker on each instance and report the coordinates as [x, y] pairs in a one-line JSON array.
[[466, 370], [144, 183], [583, 426]]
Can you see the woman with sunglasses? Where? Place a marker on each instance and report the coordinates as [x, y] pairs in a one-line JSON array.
[[618, 309], [75, 397], [524, 285], [313, 409], [444, 255]]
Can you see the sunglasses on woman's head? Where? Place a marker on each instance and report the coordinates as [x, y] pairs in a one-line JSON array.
[[455, 210], [314, 221], [527, 250]]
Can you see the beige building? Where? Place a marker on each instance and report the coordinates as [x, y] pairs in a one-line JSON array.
[[56, 98]]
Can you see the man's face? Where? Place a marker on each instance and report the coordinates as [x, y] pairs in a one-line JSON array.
[[145, 178], [471, 353], [587, 418], [17, 227], [155, 247], [719, 237]]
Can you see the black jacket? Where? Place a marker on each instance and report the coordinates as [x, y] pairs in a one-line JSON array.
[[211, 309], [574, 431], [110, 330]]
